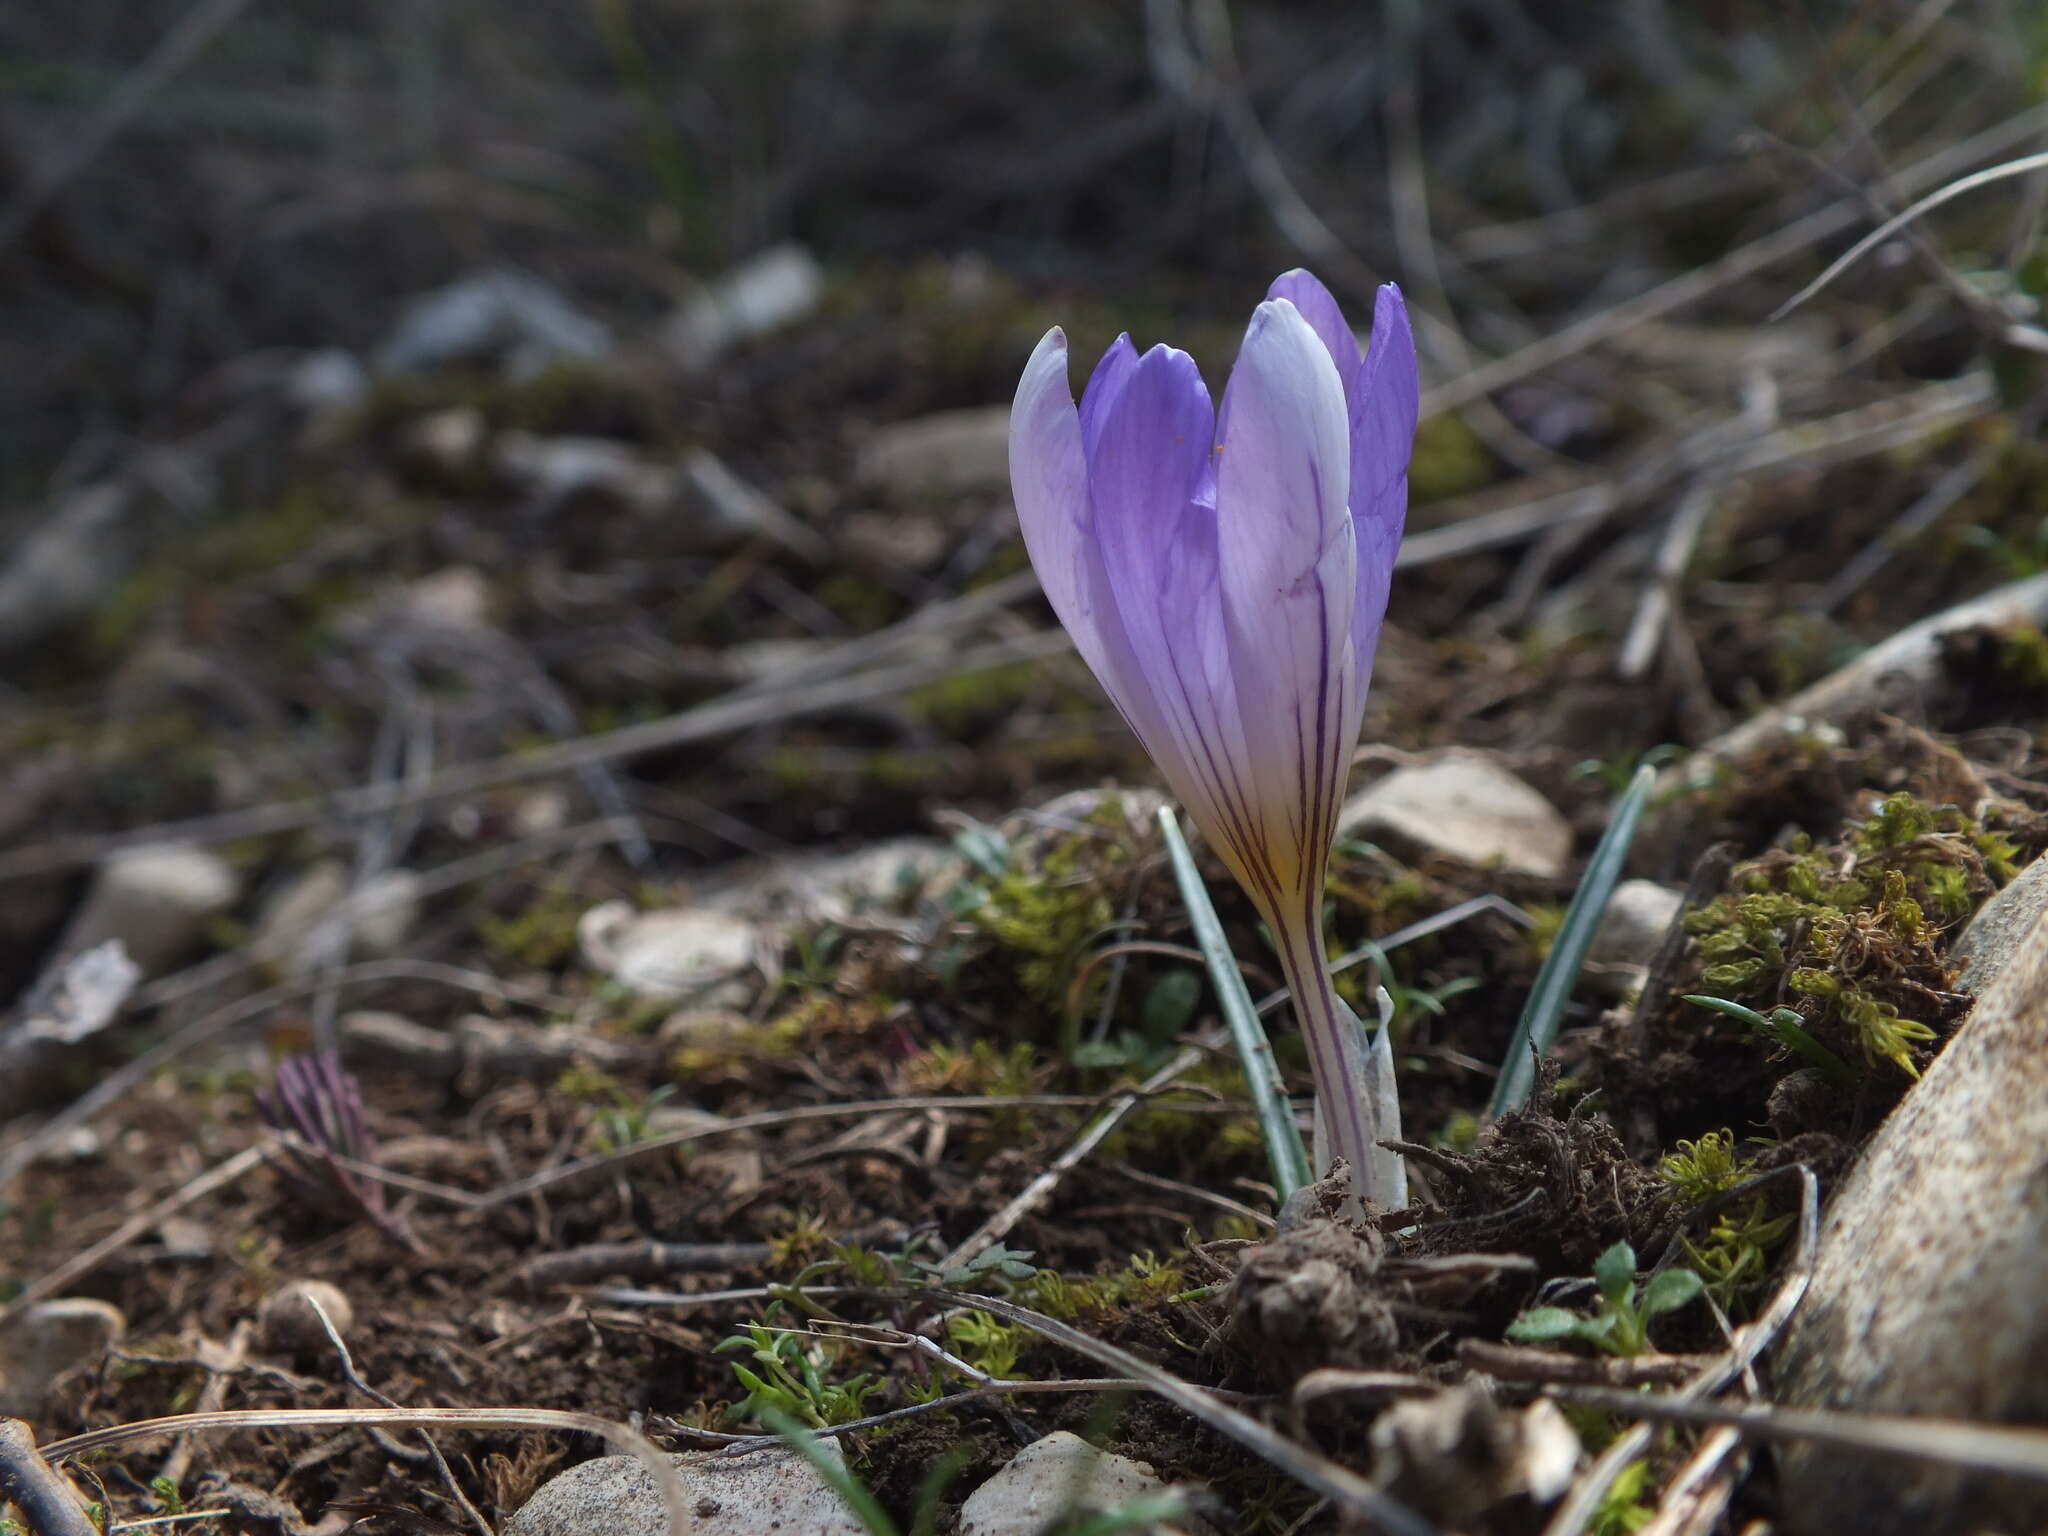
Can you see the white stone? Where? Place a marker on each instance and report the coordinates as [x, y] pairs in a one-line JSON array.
[[769, 1492], [881, 881], [556, 471], [728, 509], [769, 290], [1465, 807], [455, 597], [1638, 915], [496, 316], [316, 918], [157, 901], [78, 998], [61, 567], [326, 381], [446, 443], [1058, 1476], [289, 1325], [948, 453], [681, 952], [43, 1342]]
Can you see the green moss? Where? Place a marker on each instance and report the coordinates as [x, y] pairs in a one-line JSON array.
[[1046, 918], [859, 601], [540, 936], [1449, 459], [815, 1016], [1855, 933], [966, 701], [1144, 1283]]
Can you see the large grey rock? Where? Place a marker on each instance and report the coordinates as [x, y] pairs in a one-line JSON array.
[[771, 1492], [769, 290], [697, 954], [1466, 807], [1059, 1476], [157, 901], [1926, 1297], [940, 455], [46, 1340], [1999, 927]]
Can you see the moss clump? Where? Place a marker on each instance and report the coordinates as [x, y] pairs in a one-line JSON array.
[[1853, 937], [1449, 459], [1047, 917], [730, 1052], [540, 936], [1145, 1283], [966, 701]]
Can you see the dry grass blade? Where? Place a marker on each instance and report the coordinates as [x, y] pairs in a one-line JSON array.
[[783, 698], [1035, 1194], [2003, 1448], [2025, 165], [1331, 1479], [81, 1264]]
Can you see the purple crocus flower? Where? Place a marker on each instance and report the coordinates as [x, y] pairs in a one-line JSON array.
[[1224, 575]]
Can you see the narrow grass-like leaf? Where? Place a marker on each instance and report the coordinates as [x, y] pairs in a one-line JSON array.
[[1284, 1151], [1544, 1012], [873, 1518], [1783, 1026]]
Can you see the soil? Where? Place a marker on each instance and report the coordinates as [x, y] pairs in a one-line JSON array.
[[245, 670]]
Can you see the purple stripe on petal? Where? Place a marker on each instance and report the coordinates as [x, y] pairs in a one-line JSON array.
[[1288, 571]]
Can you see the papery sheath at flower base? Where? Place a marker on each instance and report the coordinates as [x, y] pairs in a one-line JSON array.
[[1224, 573]]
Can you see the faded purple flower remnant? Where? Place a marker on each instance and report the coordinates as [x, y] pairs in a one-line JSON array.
[[1224, 573]]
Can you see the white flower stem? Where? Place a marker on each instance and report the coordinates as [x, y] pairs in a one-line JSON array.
[[1336, 1051]]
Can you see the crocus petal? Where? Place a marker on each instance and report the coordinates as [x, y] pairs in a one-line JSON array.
[[1105, 384], [1320, 309], [1049, 478], [1383, 415], [1153, 504], [1289, 576]]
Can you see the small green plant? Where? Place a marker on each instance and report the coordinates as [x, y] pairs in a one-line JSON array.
[[788, 1376], [1700, 1170], [1731, 1256], [986, 1344], [622, 1118], [1786, 1028], [1622, 1511], [1048, 917], [1622, 1325], [993, 1263]]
